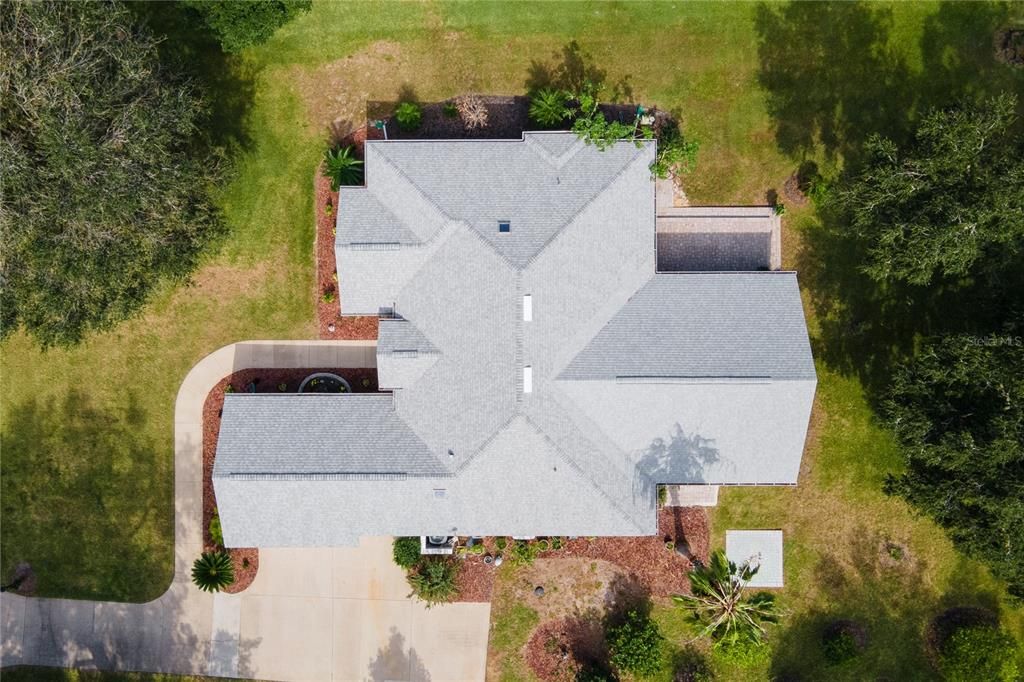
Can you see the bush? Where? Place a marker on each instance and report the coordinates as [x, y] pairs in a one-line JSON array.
[[215, 530], [406, 552], [548, 107], [239, 25], [329, 296], [979, 652], [434, 580], [213, 571], [839, 646], [450, 110], [409, 116], [343, 168], [522, 552], [634, 645]]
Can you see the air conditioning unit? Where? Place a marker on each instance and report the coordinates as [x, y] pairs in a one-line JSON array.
[[437, 544]]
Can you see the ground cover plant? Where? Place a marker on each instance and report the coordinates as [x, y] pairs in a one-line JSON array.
[[87, 458]]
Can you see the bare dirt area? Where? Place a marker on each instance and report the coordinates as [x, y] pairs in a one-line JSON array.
[[246, 560]]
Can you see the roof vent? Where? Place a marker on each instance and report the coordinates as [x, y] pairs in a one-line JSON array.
[[504, 226], [527, 308], [527, 379]]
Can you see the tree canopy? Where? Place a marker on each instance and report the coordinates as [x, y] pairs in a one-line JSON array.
[[958, 411], [239, 25], [107, 178], [948, 205]]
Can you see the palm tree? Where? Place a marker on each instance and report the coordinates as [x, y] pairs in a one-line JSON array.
[[549, 107], [342, 167], [719, 602], [213, 571]]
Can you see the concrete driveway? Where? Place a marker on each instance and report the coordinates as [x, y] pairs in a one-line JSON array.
[[311, 614]]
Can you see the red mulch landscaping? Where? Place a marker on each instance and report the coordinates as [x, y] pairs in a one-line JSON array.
[[246, 559], [549, 652], [644, 559], [327, 312]]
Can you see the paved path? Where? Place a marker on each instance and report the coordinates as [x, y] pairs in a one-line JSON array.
[[311, 614]]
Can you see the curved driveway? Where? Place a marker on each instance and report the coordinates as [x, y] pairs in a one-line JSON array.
[[311, 614]]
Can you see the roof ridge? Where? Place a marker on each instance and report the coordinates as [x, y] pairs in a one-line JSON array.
[[405, 176], [585, 206]]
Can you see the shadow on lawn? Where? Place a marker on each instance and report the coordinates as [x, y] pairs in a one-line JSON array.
[[833, 77], [86, 499], [226, 81], [884, 596], [571, 70]]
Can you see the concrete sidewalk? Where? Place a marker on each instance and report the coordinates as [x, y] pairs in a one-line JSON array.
[[311, 614]]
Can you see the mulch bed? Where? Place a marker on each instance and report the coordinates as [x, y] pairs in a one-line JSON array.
[[550, 651], [246, 559], [330, 323], [645, 559]]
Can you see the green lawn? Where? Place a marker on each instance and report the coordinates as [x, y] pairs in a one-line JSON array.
[[86, 487]]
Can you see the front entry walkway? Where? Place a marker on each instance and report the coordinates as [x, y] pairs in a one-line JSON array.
[[311, 614]]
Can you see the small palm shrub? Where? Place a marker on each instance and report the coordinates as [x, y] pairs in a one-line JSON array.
[[342, 167], [979, 652], [434, 580], [409, 116], [549, 107], [212, 571], [406, 552], [718, 600], [450, 110], [216, 534], [634, 645]]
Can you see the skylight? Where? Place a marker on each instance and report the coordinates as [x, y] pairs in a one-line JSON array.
[[504, 226]]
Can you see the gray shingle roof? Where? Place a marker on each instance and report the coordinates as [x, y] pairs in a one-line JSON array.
[[703, 325], [318, 434], [638, 378]]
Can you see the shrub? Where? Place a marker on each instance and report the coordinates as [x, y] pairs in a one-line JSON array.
[[409, 116], [839, 646], [343, 168], [406, 552], [472, 110], [675, 152], [549, 107], [450, 110], [692, 666], [329, 296], [522, 552], [213, 571], [979, 652], [634, 644], [215, 530], [434, 580]]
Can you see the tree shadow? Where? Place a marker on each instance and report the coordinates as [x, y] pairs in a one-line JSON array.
[[883, 595], [682, 458], [227, 82], [573, 70], [393, 662], [74, 476], [829, 74]]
